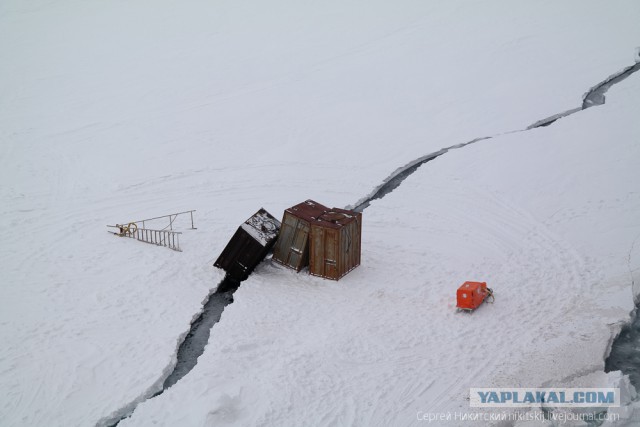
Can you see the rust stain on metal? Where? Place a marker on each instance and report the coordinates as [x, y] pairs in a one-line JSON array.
[[307, 210]]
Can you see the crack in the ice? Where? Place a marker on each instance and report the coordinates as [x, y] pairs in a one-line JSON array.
[[197, 337], [596, 95], [190, 348], [593, 97], [624, 353]]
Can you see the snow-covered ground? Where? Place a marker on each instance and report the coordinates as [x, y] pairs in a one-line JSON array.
[[550, 229], [118, 111]]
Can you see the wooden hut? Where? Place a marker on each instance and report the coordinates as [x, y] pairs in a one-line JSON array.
[[249, 245]]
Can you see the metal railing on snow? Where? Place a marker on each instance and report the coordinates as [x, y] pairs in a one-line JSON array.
[[172, 217], [169, 239], [164, 237]]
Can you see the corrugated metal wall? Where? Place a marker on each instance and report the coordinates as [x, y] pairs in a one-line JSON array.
[[335, 248], [324, 260]]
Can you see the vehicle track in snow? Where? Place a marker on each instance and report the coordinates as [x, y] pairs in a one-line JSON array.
[[199, 332]]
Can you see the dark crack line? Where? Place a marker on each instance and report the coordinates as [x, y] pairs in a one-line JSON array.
[[196, 340], [189, 350], [594, 97], [625, 349], [625, 353]]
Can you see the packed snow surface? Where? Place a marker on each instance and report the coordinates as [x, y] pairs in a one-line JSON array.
[[112, 111], [550, 230]]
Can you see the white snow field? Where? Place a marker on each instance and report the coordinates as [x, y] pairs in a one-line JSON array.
[[550, 228], [118, 111]]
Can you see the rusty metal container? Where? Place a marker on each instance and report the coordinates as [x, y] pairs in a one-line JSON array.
[[326, 240], [249, 245], [292, 247], [335, 243]]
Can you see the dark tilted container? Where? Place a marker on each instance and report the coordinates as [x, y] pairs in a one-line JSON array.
[[335, 243], [292, 247], [249, 245]]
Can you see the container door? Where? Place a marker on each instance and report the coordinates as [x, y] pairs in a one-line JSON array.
[[283, 244], [316, 254], [299, 251], [291, 247], [324, 250], [331, 254]]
